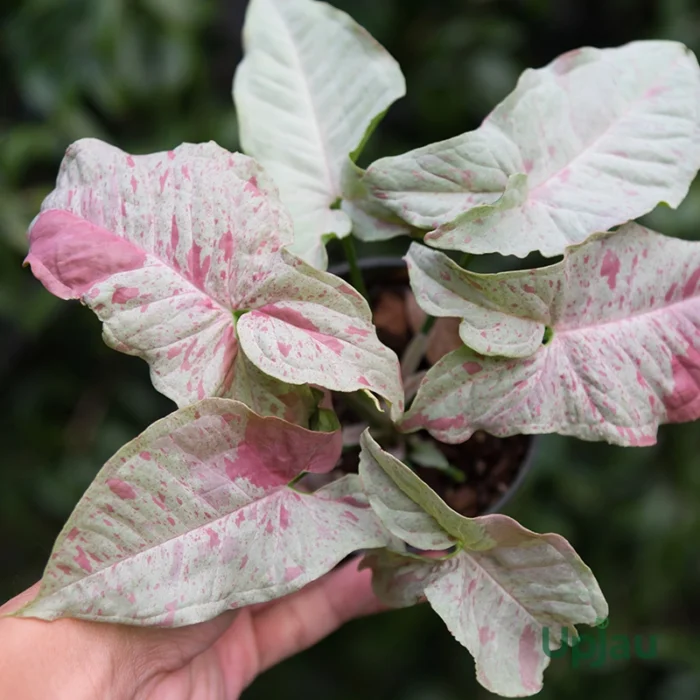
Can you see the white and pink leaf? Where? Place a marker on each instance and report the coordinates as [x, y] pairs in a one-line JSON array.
[[497, 593], [623, 357], [592, 140], [166, 248], [195, 517]]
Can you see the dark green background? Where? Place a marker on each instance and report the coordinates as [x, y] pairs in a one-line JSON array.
[[149, 74]]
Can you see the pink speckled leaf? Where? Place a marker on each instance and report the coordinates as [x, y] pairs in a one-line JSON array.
[[311, 89], [267, 396], [195, 517], [499, 591], [321, 334], [501, 314], [624, 356], [163, 248], [371, 220], [399, 581], [166, 247], [592, 140]]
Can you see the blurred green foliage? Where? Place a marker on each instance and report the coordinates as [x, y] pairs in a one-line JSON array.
[[149, 74]]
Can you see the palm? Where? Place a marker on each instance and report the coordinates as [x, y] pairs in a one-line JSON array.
[[218, 659]]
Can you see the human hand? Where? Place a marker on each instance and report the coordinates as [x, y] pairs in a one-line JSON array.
[[215, 660]]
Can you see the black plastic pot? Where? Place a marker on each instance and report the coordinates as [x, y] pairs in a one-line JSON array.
[[384, 272]]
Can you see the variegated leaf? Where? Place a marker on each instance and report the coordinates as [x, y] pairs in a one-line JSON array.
[[267, 396], [399, 581], [624, 356], [594, 139], [371, 220], [165, 248], [499, 591], [195, 517], [322, 334], [309, 92]]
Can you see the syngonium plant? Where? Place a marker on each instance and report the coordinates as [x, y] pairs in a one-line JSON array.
[[211, 266]]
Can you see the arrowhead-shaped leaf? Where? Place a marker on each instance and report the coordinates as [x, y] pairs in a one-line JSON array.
[[322, 334], [195, 517], [624, 352], [310, 90], [166, 247], [594, 139], [497, 594]]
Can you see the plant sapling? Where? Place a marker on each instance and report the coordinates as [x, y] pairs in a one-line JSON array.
[[211, 266]]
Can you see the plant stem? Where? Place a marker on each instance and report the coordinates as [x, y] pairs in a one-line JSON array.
[[355, 272], [365, 409], [465, 260]]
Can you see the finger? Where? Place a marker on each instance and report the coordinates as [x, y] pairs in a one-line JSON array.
[[18, 601], [303, 619], [260, 639]]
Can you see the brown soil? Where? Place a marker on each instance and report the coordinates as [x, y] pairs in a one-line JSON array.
[[490, 464]]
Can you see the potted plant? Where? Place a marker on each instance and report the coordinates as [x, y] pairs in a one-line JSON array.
[[211, 265]]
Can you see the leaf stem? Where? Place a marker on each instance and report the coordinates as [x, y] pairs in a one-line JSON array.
[[355, 273], [365, 410]]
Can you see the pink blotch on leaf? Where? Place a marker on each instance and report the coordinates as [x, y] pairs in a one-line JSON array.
[[170, 608], [174, 234], [226, 245], [471, 367], [73, 534], [683, 404], [163, 179], [610, 268], [214, 540], [331, 343], [284, 348], [352, 330], [287, 315], [486, 634], [447, 422], [121, 489], [691, 286], [363, 380], [82, 561], [124, 294], [198, 269], [292, 572], [70, 255], [284, 518], [528, 659], [159, 503]]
